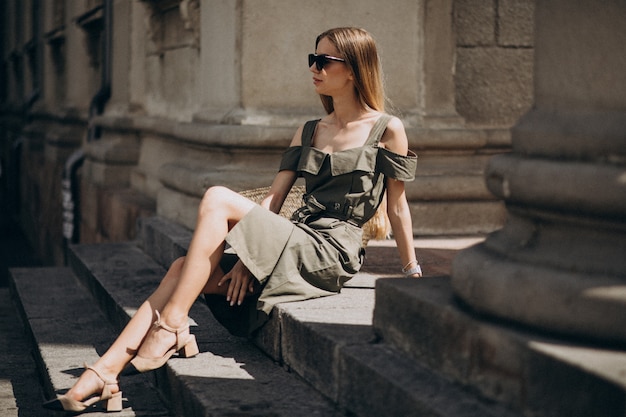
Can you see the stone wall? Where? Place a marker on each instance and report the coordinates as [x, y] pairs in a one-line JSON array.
[[210, 92], [494, 60]]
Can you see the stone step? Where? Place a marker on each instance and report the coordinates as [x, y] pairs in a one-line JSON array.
[[68, 330], [534, 374], [229, 377], [330, 343], [21, 393]]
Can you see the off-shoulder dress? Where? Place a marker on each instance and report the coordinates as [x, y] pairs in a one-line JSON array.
[[320, 248]]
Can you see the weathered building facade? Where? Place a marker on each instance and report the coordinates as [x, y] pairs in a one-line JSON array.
[[117, 109], [532, 318]]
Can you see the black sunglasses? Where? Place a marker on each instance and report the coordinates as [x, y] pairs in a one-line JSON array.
[[321, 60]]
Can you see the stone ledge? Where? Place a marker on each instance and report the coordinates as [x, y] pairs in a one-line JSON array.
[[313, 332], [279, 137], [178, 207], [114, 149], [533, 374], [470, 139], [194, 179], [521, 179], [384, 382], [572, 302], [448, 187], [211, 135], [441, 218]]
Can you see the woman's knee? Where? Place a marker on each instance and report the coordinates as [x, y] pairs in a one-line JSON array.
[[224, 203], [178, 263], [214, 197]]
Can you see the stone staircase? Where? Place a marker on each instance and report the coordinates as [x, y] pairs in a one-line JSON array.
[[406, 349]]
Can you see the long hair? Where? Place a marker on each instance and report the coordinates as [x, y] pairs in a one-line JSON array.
[[358, 48]]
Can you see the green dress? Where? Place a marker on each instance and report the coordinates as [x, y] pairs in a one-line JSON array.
[[320, 248]]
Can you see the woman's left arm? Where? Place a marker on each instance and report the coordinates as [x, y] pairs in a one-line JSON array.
[[401, 224], [395, 140]]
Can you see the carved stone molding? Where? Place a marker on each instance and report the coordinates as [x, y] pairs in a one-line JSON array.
[[189, 14], [58, 13], [92, 23]]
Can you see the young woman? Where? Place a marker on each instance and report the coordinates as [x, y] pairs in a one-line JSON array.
[[349, 159]]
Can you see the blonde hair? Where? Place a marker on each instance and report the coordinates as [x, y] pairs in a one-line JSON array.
[[358, 48]]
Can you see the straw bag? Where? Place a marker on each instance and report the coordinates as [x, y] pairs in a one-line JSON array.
[[377, 228]]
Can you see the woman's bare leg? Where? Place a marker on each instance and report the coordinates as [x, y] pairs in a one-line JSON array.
[[127, 343], [219, 211], [184, 281]]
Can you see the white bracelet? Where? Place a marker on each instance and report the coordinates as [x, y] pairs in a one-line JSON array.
[[415, 270]]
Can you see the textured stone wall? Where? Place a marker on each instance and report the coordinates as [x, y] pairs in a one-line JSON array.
[[209, 92], [494, 60], [558, 263]]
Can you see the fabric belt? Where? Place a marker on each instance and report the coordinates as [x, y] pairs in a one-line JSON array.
[[313, 209]]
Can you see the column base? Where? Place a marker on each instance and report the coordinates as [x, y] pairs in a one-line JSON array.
[[565, 278], [531, 373]]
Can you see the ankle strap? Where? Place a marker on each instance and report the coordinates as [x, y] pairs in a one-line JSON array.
[[159, 323], [106, 381]]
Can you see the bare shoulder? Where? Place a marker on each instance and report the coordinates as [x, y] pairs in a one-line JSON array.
[[394, 137], [396, 126], [297, 137]]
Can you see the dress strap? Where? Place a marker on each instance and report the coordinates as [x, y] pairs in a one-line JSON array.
[[378, 129], [308, 131]]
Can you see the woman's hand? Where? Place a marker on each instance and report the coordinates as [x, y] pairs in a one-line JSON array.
[[241, 283]]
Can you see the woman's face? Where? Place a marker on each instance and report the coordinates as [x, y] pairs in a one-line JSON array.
[[335, 78]]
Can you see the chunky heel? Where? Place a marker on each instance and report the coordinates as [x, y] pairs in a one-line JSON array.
[[114, 403], [186, 348], [190, 349]]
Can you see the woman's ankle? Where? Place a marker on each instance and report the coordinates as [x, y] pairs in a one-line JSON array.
[[108, 371], [174, 319], [90, 382]]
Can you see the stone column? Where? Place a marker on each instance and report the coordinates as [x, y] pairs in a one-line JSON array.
[[559, 263], [437, 106], [82, 76], [220, 77]]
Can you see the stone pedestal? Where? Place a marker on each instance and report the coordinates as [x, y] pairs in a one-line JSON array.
[[558, 264], [533, 317]]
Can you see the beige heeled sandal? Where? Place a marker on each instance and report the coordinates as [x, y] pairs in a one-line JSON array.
[[113, 402], [186, 348]]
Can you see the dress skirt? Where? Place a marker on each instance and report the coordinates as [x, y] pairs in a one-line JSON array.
[[293, 261]]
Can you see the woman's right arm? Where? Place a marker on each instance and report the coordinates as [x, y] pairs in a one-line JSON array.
[[273, 201], [283, 181]]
